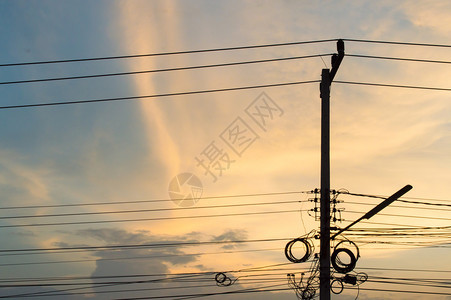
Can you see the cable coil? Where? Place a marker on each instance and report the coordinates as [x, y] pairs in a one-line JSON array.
[[308, 246], [338, 264]]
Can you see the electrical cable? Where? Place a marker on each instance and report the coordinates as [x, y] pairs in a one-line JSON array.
[[398, 43], [167, 53], [108, 284], [145, 210], [401, 228], [173, 276], [135, 257], [152, 200], [403, 216], [388, 224], [399, 58], [57, 293], [339, 265], [404, 291], [147, 219], [409, 283], [308, 248], [408, 207], [402, 199], [187, 93], [140, 246], [163, 70], [392, 85]]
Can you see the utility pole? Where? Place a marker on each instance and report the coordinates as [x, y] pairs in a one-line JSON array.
[[327, 77]]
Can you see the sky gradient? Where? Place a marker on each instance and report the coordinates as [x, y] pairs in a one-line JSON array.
[[381, 138]]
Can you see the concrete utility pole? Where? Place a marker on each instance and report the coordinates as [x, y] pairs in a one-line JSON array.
[[327, 77]]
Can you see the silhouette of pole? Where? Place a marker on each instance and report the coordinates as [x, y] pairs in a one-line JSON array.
[[324, 252]]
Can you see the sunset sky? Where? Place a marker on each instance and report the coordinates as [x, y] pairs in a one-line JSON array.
[[115, 156]]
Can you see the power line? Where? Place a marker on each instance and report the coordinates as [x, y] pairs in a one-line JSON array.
[[154, 200], [405, 269], [168, 53], [431, 199], [388, 224], [219, 50], [141, 246], [215, 91], [403, 216], [384, 197], [190, 296], [167, 276], [160, 95], [420, 229], [147, 210], [417, 284], [260, 281], [148, 219], [424, 203], [428, 280], [408, 207], [254, 270], [394, 85], [398, 43], [163, 70], [138, 257], [401, 291], [399, 58]]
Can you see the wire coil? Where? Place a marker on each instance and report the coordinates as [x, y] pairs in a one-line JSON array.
[[307, 245], [344, 247], [339, 265]]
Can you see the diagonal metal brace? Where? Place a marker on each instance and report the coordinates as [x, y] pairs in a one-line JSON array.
[[337, 58]]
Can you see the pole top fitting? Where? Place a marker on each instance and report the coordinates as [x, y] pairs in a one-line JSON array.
[[341, 47]]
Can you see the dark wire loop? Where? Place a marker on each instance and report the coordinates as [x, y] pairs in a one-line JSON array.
[[308, 245], [336, 286], [223, 280], [339, 265], [220, 277], [356, 252], [361, 278]]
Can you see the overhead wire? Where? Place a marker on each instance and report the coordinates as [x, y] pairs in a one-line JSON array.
[[128, 257], [399, 58], [397, 43], [393, 85], [407, 207], [186, 93], [154, 200], [146, 210], [220, 49], [195, 67], [163, 70], [402, 198], [270, 269], [402, 216], [149, 219], [140, 246], [403, 291]]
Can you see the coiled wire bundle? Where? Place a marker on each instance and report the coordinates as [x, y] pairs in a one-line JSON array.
[[344, 247], [306, 244]]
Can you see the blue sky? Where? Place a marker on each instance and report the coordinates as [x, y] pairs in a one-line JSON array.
[[381, 138]]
